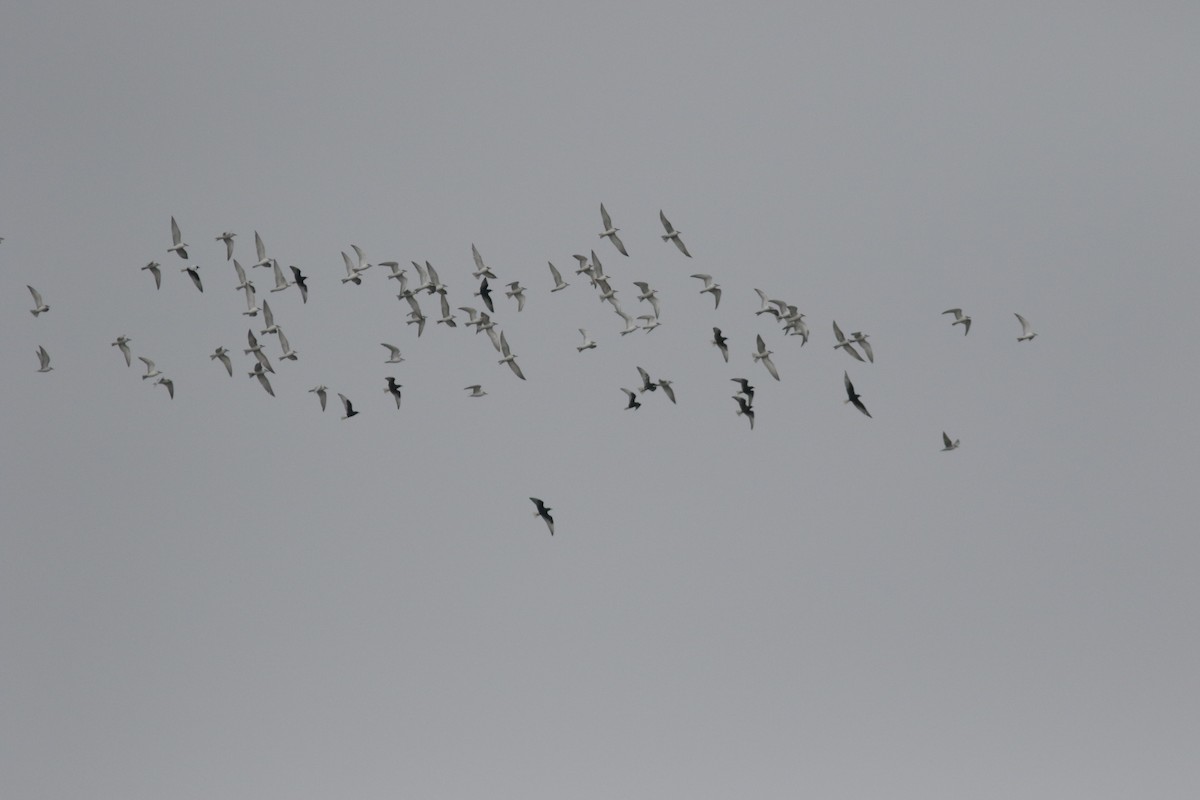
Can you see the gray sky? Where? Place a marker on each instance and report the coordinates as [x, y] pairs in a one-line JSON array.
[[232, 595]]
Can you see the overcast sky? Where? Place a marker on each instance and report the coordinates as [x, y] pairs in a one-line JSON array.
[[238, 596]]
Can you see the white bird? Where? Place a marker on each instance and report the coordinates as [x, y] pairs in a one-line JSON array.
[[509, 358], [606, 291], [44, 360], [588, 342], [393, 389], [288, 352], [193, 272], [227, 238], [257, 350], [764, 355], [423, 274], [721, 343], [153, 268], [447, 318], [543, 511], [122, 343], [178, 246], [960, 319], [151, 370], [167, 382], [352, 275], [712, 288], [673, 234], [630, 325], [481, 270], [243, 281], [435, 283], [648, 295], [949, 445], [843, 344], [649, 322], [261, 374], [486, 325], [260, 250], [584, 267], [395, 357], [768, 305], [859, 338], [252, 308], [611, 232], [350, 412], [38, 304], [515, 291], [1027, 333], [475, 390], [363, 264], [269, 318], [666, 386], [281, 283], [320, 392], [559, 283], [418, 319], [222, 355], [396, 273]]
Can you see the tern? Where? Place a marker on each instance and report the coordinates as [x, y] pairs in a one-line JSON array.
[[584, 267], [764, 355], [485, 294], [949, 445], [257, 350], [151, 371], [745, 409], [486, 325], [288, 352], [611, 232], [153, 266], [633, 401], [393, 389], [481, 270], [122, 342], [649, 322], [606, 291], [517, 292], [959, 319], [193, 272], [409, 297], [301, 283], [320, 393], [843, 344], [418, 319], [363, 265], [509, 358], [261, 374], [588, 342], [447, 318], [167, 382], [352, 275], [630, 326], [648, 295], [178, 246], [252, 308], [435, 283], [44, 360], [281, 283], [38, 304], [768, 306], [227, 238], [672, 234], [543, 511], [711, 288], [559, 283], [1027, 333], [721, 343], [746, 389], [475, 390], [852, 396], [396, 273], [647, 384], [350, 412], [859, 338], [260, 250], [423, 273], [666, 386], [268, 318], [243, 281], [222, 355]]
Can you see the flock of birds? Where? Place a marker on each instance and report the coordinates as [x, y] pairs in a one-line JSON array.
[[792, 321]]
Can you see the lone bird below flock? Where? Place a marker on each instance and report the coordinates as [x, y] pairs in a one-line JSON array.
[[43, 360], [475, 390], [852, 396], [543, 511]]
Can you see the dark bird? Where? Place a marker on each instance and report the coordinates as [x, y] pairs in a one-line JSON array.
[[744, 408], [633, 401], [486, 294], [301, 282], [746, 389], [194, 273], [721, 343], [393, 389], [852, 396], [543, 511], [350, 412], [647, 384]]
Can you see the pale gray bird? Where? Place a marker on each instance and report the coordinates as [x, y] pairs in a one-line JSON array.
[[959, 319], [252, 308], [588, 342], [859, 338], [666, 386], [393, 389], [227, 238], [153, 267], [648, 295], [418, 319], [269, 318], [710, 287], [193, 272], [167, 382], [122, 343], [151, 370], [281, 283], [260, 250], [257, 350], [1027, 333], [222, 355], [764, 355], [843, 344], [509, 358], [447, 318], [475, 390], [768, 306], [611, 232], [320, 392], [288, 352], [352, 275], [44, 360], [178, 246], [38, 304], [649, 322], [243, 281], [394, 357], [948, 445], [515, 291], [630, 325], [261, 374], [481, 270], [673, 234], [559, 283]]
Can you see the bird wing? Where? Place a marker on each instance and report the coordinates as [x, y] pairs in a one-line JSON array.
[[762, 346], [607, 220], [195, 276], [504, 345], [770, 365], [345, 402], [554, 273], [1024, 324], [157, 275], [259, 247], [837, 333], [616, 240], [37, 296], [227, 362], [43, 357], [516, 370], [349, 263], [957, 312], [945, 439], [149, 364], [283, 342], [666, 225], [666, 387], [280, 281], [478, 259], [266, 384], [176, 236]]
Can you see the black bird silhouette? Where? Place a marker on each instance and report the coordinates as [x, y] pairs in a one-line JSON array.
[[745, 408], [486, 293], [633, 401], [747, 389], [852, 396], [301, 282], [350, 412], [721, 343], [543, 511], [393, 389]]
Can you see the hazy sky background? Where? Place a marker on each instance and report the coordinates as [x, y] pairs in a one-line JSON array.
[[237, 596]]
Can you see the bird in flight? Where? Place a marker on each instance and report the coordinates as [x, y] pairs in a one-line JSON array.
[[167, 382], [852, 396], [260, 250], [959, 319], [721, 343], [38, 304], [320, 392], [193, 272], [481, 269], [153, 267], [672, 234], [949, 445], [475, 390], [151, 370], [712, 288], [178, 246], [122, 343], [509, 358], [301, 282], [744, 408], [261, 374], [1027, 333], [227, 238], [588, 342], [559, 283], [611, 232], [633, 401], [859, 338], [222, 355], [43, 360], [395, 357], [393, 389], [745, 389], [516, 291], [543, 511], [764, 355], [843, 344]]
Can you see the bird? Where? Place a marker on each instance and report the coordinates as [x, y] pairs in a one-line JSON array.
[[509, 358], [178, 246], [588, 342], [648, 295], [745, 408], [852, 396], [153, 267], [647, 384], [393, 389], [768, 306], [260, 250], [269, 318], [38, 304], [611, 232], [243, 281], [543, 511], [261, 374], [252, 308], [515, 291], [673, 234], [475, 390], [301, 282], [448, 318], [710, 287], [43, 359], [363, 265], [227, 238], [959, 319], [559, 283], [288, 352], [633, 401], [222, 355], [630, 326], [485, 294], [395, 357], [859, 338], [1027, 333], [320, 392], [746, 389], [666, 386], [764, 355], [352, 275], [949, 445], [721, 343], [257, 350], [122, 342], [843, 344], [649, 322], [481, 270], [350, 412], [435, 283], [167, 382], [193, 272], [396, 273], [151, 370], [281, 283]]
